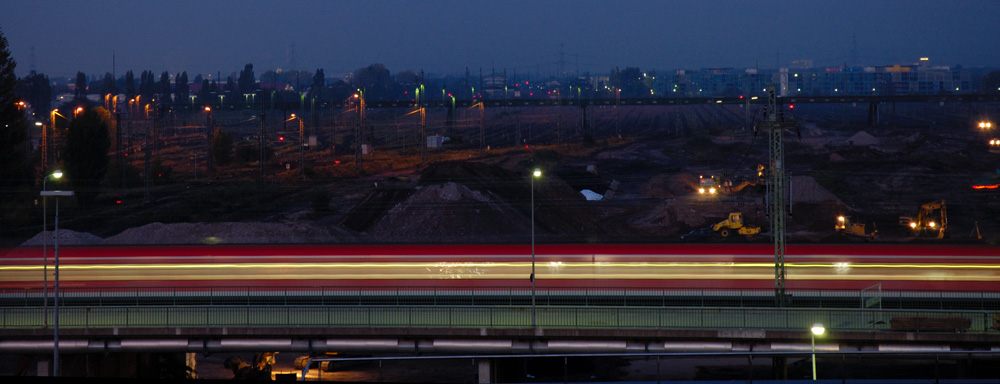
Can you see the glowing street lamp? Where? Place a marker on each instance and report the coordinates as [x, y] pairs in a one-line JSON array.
[[816, 330], [301, 142], [55, 304], [45, 245], [209, 123], [536, 174]]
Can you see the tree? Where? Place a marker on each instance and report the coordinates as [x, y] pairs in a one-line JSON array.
[[375, 80], [108, 85], [146, 85], [181, 89], [247, 81], [130, 91], [163, 89], [222, 147], [86, 153], [80, 92], [231, 87], [36, 90], [14, 167], [318, 84]]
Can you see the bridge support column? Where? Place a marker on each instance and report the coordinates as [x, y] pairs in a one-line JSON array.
[[44, 367], [485, 367], [779, 366], [872, 114]]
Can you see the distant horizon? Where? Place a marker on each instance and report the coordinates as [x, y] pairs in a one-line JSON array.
[[475, 71], [63, 37]]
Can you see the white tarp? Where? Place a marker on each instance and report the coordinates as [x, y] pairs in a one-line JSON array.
[[591, 195]]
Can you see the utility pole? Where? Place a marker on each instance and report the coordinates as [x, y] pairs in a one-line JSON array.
[[423, 135], [260, 141], [358, 154], [482, 126], [776, 190]]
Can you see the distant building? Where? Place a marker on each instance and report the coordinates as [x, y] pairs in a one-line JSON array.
[[801, 78]]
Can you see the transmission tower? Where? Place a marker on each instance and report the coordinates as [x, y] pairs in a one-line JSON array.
[[776, 191]]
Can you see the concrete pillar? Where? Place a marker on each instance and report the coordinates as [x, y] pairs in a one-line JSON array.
[[44, 367], [779, 367], [485, 370]]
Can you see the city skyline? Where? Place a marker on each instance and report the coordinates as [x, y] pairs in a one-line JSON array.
[[446, 37]]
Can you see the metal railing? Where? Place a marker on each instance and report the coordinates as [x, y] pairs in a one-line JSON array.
[[213, 316], [498, 296]]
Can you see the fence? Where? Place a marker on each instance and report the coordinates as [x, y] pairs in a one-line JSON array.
[[498, 296], [577, 317]]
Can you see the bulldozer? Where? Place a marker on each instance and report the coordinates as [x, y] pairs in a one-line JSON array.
[[931, 220], [845, 226], [734, 224]]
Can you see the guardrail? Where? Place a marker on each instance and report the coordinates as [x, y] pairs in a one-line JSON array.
[[574, 317], [493, 296]]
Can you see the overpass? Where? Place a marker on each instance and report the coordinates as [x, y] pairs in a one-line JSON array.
[[667, 101], [873, 101], [428, 322]]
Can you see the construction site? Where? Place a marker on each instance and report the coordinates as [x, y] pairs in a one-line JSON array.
[[633, 174]]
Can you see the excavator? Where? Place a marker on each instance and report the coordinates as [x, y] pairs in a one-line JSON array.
[[932, 219], [713, 185], [734, 224], [845, 226]]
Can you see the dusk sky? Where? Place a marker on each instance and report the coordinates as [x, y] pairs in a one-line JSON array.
[[445, 37]]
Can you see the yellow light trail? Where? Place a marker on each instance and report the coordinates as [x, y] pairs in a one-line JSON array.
[[505, 271]]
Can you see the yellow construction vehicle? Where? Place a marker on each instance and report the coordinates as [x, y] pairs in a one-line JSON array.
[[734, 224], [932, 219], [845, 226]]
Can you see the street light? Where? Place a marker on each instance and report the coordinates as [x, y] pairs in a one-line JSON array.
[[301, 143], [55, 303], [209, 161], [537, 173], [817, 330], [45, 247]]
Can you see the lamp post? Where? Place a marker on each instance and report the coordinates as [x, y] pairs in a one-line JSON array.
[[817, 330], [537, 173], [301, 143], [55, 302], [208, 140], [45, 248]]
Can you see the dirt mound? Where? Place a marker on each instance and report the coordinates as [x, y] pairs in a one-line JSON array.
[[805, 189], [66, 237], [475, 202], [666, 186], [452, 211], [224, 233]]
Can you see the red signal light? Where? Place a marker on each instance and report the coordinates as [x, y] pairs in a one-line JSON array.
[[791, 106]]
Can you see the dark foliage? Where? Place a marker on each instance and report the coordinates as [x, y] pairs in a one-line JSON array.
[[86, 154]]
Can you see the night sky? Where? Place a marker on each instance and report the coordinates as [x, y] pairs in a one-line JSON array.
[[445, 37]]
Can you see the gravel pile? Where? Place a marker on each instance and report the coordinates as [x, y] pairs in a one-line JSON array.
[[223, 233], [201, 233], [66, 237]]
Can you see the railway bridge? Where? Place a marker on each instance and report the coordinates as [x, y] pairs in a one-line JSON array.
[[475, 301]]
